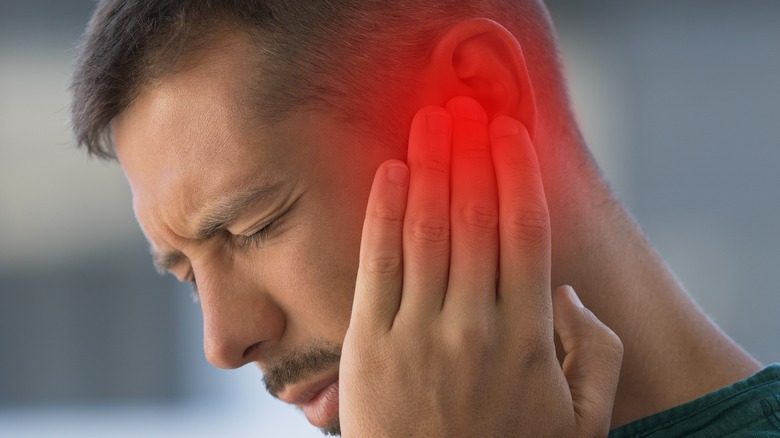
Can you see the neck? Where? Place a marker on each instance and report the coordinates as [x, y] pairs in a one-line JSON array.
[[673, 352]]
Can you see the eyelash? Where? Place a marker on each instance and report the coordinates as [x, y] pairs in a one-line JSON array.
[[256, 239]]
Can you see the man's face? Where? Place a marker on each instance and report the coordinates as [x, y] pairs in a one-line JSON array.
[[206, 178]]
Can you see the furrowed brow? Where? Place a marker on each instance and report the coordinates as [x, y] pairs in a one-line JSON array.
[[165, 261], [218, 216], [215, 219]]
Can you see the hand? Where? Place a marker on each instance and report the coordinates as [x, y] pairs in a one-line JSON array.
[[452, 324]]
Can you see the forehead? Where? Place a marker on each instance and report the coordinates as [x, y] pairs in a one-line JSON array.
[[192, 135], [192, 139], [206, 94]]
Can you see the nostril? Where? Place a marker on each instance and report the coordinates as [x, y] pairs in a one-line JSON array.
[[250, 352]]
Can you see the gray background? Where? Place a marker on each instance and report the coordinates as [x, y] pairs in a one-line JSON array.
[[679, 100]]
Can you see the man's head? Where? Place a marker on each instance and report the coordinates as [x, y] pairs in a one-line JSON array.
[[250, 132]]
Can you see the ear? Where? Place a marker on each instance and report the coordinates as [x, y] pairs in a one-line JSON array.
[[481, 59]]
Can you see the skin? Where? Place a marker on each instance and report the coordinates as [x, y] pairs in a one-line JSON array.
[[285, 292], [186, 145], [673, 352], [189, 140], [433, 288]]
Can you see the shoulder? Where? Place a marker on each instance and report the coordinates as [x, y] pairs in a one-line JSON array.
[[750, 407]]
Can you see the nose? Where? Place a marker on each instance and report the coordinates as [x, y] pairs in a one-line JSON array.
[[238, 318]]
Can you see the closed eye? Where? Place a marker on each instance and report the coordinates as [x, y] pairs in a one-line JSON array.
[[258, 238], [254, 240]]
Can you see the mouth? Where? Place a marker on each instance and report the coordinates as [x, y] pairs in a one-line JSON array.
[[318, 398]]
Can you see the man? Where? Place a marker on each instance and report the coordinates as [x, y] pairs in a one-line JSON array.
[[272, 160]]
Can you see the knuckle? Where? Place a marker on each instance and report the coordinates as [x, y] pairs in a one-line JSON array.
[[612, 343], [527, 162], [434, 164], [603, 337], [473, 335], [429, 230], [529, 226], [475, 148], [481, 218], [383, 264], [388, 214]]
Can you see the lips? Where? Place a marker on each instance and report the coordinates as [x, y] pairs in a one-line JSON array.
[[324, 406], [319, 399]]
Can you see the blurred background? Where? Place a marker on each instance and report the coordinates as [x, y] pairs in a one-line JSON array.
[[680, 102]]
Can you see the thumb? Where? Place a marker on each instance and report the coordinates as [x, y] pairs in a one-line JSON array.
[[593, 354]]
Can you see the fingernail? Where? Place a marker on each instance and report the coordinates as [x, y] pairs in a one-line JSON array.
[[396, 173], [504, 127], [438, 123], [468, 109], [573, 296]]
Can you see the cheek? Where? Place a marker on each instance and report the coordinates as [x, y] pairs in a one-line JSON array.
[[327, 254], [317, 271], [333, 262], [320, 262]]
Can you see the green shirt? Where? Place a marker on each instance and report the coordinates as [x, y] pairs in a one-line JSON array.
[[750, 408]]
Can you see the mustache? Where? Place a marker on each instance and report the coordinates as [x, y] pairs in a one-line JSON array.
[[300, 364]]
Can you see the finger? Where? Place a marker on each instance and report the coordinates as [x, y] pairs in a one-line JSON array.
[[592, 364], [524, 224], [427, 221], [474, 210], [380, 272]]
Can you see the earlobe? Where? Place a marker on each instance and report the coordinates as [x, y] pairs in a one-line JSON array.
[[481, 59]]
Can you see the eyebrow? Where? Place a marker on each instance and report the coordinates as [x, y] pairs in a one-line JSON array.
[[165, 261], [215, 218]]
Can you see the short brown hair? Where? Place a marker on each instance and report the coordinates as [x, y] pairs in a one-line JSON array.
[[340, 55]]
